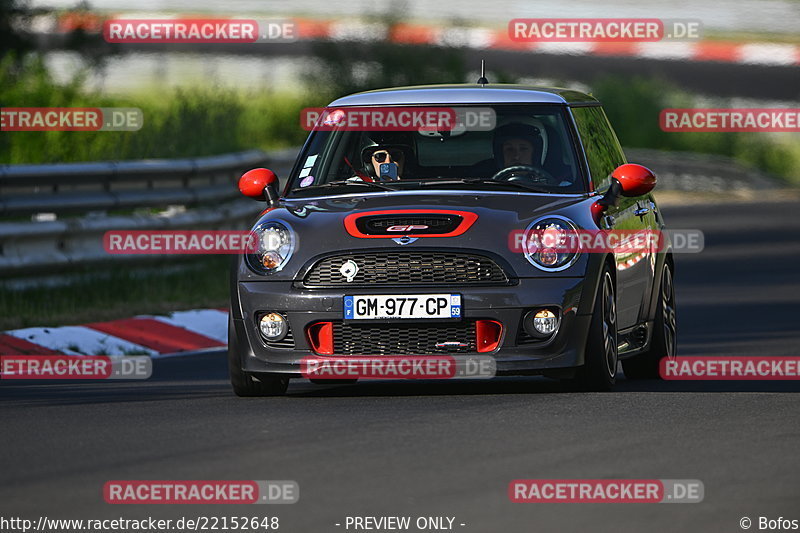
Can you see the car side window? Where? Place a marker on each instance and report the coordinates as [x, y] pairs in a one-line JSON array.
[[602, 148]]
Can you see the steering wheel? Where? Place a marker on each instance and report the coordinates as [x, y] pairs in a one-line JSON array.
[[539, 174]]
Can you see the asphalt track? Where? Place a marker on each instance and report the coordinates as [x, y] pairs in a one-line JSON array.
[[451, 449]]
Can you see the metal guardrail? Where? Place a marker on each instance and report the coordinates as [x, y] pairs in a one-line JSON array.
[[77, 187], [83, 197], [692, 172]]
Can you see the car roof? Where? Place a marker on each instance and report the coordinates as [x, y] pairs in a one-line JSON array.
[[466, 94]]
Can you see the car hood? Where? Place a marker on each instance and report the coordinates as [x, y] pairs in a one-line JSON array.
[[319, 223], [520, 206]]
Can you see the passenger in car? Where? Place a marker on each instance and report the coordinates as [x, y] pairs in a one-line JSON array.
[[382, 155], [393, 149]]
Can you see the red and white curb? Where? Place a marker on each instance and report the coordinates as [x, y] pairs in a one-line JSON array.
[[631, 261], [491, 38], [756, 53], [156, 336]]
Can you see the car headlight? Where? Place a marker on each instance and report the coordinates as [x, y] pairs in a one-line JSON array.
[[550, 243], [274, 244]]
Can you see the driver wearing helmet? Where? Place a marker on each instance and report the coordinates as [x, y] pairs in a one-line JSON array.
[[517, 144], [519, 154], [518, 150]]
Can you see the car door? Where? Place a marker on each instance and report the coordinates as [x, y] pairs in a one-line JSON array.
[[604, 154]]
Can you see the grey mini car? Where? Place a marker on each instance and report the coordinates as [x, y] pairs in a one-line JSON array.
[[416, 241]]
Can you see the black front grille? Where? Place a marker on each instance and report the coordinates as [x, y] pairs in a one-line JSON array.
[[286, 343], [436, 224], [403, 339], [402, 268]]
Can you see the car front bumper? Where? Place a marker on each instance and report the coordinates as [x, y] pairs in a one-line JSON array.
[[504, 304]]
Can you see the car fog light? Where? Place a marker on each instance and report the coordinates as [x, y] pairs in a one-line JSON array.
[[273, 326], [545, 321], [541, 323]]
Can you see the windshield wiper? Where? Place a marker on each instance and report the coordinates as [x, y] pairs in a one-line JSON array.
[[339, 183], [482, 181]]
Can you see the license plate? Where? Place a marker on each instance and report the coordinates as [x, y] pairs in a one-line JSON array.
[[390, 306]]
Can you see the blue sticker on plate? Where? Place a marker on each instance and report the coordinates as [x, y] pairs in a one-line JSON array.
[[308, 180]]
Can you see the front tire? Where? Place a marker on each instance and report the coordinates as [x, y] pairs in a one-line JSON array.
[[665, 334], [602, 352]]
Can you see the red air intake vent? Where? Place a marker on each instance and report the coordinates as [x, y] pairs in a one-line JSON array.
[[488, 333], [320, 337]]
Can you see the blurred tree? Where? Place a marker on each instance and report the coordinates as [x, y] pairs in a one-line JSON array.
[[84, 36], [14, 16], [17, 39]]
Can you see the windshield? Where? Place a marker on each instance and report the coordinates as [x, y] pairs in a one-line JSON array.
[[526, 147]]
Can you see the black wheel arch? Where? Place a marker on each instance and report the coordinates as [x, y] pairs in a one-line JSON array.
[[665, 258], [592, 277]]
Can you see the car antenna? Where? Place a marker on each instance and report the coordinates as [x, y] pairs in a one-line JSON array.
[[482, 81]]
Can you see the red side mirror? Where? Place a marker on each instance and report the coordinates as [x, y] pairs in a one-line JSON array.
[[635, 180], [259, 184]]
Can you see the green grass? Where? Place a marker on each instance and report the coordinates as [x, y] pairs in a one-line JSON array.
[[187, 122], [633, 106], [201, 282], [751, 37]]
